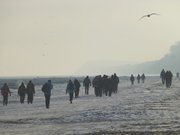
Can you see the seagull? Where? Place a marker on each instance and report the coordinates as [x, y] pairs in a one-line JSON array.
[[148, 15]]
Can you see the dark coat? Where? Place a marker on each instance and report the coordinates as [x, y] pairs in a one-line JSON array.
[[21, 90], [70, 88], [30, 88], [77, 84], [5, 90]]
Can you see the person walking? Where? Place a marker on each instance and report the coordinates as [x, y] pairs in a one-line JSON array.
[[77, 87], [86, 84], [4, 92], [70, 89], [30, 90], [143, 77], [163, 76], [97, 84], [138, 78], [47, 87], [105, 84], [170, 78], [115, 82], [132, 79], [22, 92]]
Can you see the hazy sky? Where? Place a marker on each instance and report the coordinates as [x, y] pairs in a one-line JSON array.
[[57, 37]]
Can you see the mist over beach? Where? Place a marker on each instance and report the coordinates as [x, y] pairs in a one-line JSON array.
[[89, 67]]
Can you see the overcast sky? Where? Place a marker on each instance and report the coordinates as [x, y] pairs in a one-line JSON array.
[[57, 37]]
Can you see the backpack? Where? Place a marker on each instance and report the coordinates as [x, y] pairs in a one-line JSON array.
[[44, 88]]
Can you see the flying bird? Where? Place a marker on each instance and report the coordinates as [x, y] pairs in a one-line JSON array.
[[148, 15]]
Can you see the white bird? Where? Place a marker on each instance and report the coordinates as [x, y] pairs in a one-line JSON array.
[[148, 15]]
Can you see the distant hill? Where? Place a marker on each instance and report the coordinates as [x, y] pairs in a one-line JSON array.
[[170, 61]]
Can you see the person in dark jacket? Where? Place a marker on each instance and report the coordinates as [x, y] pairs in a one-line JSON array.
[[4, 92], [115, 83], [30, 90], [171, 76], [143, 77], [163, 76], [77, 86], [47, 87], [97, 84], [105, 84], [70, 89], [111, 85], [22, 92], [132, 79], [168, 78], [86, 84], [138, 78]]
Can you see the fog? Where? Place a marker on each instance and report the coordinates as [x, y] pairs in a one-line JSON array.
[[59, 37]]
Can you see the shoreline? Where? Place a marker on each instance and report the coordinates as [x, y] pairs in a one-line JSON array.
[[135, 133]]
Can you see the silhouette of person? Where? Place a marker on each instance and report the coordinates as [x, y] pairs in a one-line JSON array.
[[138, 78], [168, 78], [30, 92], [143, 77], [105, 86], [77, 86], [163, 76], [70, 89], [86, 84], [115, 82], [4, 92], [47, 87], [22, 92], [132, 79], [97, 84]]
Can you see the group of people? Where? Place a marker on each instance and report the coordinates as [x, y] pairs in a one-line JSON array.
[[22, 91], [142, 77], [102, 85], [74, 88], [105, 85], [28, 90], [166, 77]]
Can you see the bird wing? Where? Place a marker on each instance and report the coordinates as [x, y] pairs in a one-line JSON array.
[[154, 14], [143, 17]]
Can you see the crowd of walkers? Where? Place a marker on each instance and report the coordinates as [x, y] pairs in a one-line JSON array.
[[29, 90], [103, 85], [166, 77], [142, 77], [22, 91]]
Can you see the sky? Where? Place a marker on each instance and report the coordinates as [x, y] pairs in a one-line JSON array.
[[58, 37]]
